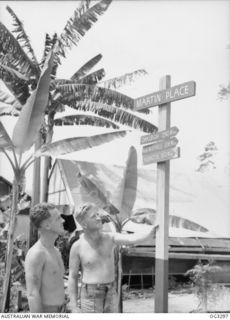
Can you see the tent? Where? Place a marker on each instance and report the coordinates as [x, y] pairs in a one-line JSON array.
[[196, 202], [199, 224]]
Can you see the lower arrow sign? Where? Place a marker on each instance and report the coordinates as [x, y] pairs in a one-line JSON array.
[[161, 145], [159, 156]]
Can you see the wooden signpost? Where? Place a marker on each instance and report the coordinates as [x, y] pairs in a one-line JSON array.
[[159, 135], [161, 150]]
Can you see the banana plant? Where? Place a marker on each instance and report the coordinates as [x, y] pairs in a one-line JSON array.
[[84, 90], [124, 200], [24, 136]]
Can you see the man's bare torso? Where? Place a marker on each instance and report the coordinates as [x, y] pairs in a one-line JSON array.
[[97, 259], [52, 283]]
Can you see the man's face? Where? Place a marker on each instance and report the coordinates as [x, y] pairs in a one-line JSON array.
[[93, 219], [55, 222]]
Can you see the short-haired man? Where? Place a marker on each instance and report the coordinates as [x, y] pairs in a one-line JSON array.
[[94, 253], [44, 267]]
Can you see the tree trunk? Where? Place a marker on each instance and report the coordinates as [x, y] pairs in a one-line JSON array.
[[119, 284], [33, 235], [47, 160], [45, 179], [10, 243]]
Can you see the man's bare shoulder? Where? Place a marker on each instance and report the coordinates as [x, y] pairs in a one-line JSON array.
[[36, 252], [108, 236]]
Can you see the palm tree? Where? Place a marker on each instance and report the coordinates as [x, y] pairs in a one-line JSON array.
[[84, 91]]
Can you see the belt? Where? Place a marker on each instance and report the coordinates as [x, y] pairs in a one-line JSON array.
[[107, 285]]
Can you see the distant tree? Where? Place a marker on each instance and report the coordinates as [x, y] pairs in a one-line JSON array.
[[224, 92], [207, 158]]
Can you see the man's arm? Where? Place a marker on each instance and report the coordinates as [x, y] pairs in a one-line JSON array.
[[74, 265], [134, 238], [34, 263]]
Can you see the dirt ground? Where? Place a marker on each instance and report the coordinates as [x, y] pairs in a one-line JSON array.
[[179, 301]]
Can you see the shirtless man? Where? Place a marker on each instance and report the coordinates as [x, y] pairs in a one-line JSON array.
[[44, 267], [94, 253]]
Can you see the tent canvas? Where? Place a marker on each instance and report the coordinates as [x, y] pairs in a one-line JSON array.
[[196, 199]]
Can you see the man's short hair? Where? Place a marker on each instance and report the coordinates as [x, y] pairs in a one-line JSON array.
[[81, 213], [40, 212]]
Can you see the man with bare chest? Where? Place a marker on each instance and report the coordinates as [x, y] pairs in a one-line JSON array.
[[44, 267], [93, 253]]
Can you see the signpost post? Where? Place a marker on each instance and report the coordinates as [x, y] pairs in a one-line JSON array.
[[161, 151]]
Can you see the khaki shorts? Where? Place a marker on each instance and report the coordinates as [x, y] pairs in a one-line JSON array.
[[98, 298], [54, 309]]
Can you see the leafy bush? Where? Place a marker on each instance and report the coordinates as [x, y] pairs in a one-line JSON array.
[[202, 277]]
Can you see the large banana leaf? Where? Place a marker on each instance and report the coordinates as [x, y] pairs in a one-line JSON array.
[[14, 80], [148, 216], [22, 36], [31, 116], [90, 192], [116, 83], [76, 144], [10, 73], [84, 119], [8, 104], [94, 77], [5, 141], [17, 57], [126, 191], [49, 43], [126, 117], [71, 92], [83, 71], [80, 23]]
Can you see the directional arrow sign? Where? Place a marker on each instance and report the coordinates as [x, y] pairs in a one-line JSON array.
[[163, 155], [181, 91], [160, 146], [159, 135]]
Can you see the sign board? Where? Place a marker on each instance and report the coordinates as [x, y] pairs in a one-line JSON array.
[[181, 91], [163, 155], [160, 146], [159, 135]]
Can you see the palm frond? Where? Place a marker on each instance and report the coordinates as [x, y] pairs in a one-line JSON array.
[[85, 119], [82, 20], [8, 104], [22, 37], [15, 54], [78, 143], [127, 78], [118, 115], [79, 92], [86, 68]]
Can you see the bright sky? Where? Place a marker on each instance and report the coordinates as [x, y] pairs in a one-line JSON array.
[[187, 39]]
